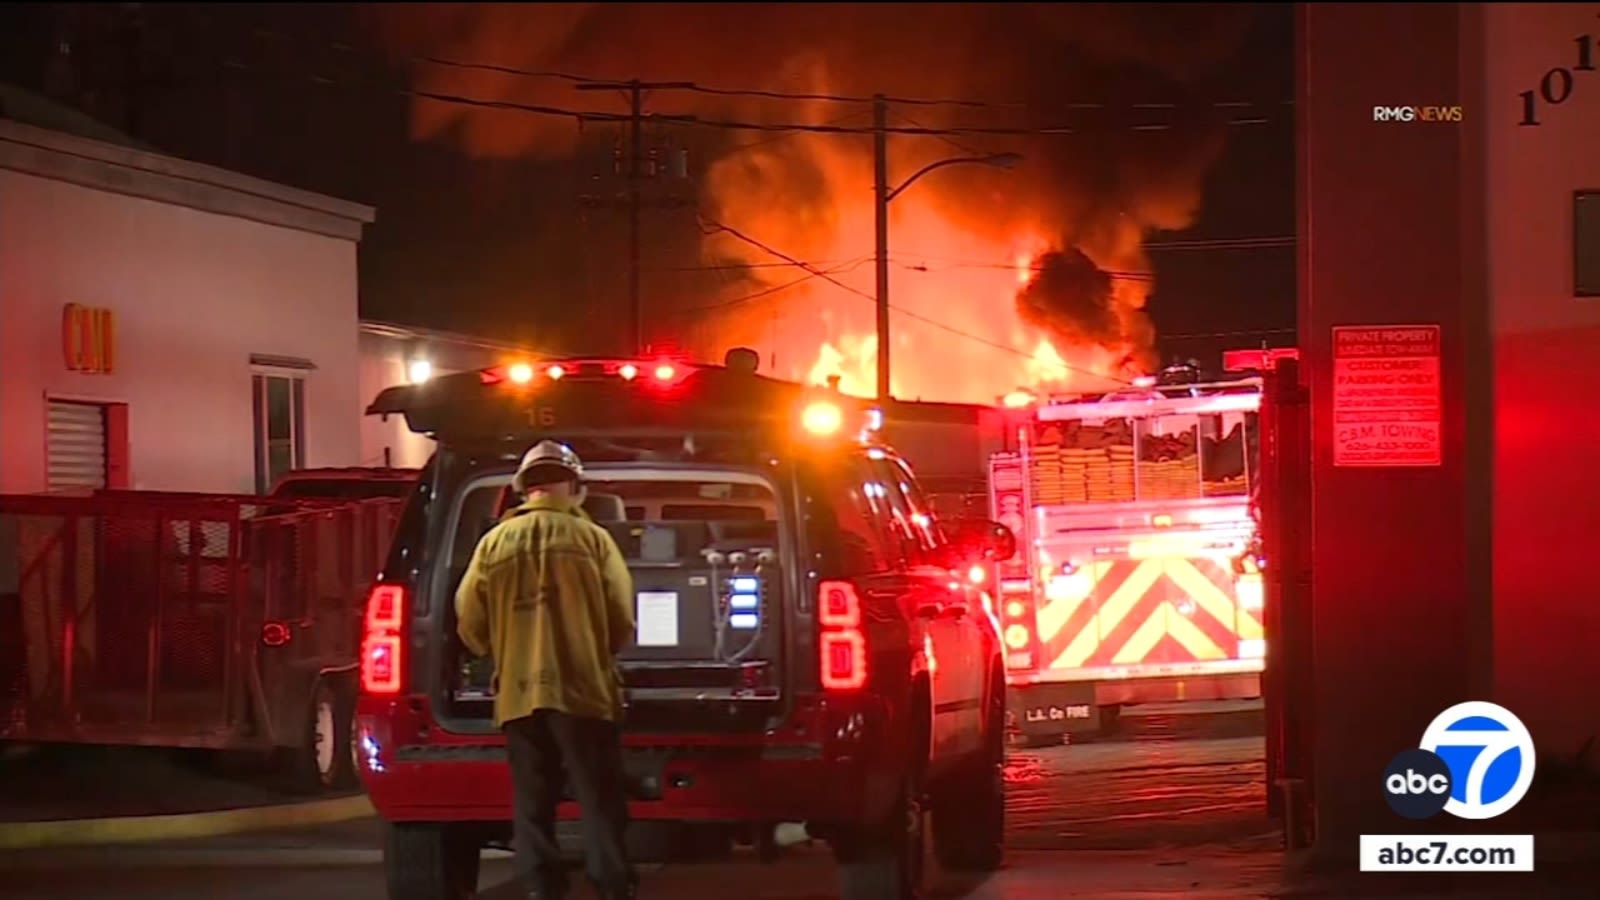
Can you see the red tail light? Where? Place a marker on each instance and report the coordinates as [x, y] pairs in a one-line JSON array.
[[383, 645], [843, 647]]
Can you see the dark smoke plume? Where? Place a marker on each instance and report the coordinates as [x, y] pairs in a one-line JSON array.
[[1072, 297]]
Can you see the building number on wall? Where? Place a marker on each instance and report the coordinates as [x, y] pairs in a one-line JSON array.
[[1556, 85], [88, 339]]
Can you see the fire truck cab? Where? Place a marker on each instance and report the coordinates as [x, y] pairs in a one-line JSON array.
[[1140, 578], [806, 651]]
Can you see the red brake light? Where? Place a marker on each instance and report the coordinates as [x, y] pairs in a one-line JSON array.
[[844, 660], [843, 646], [382, 647], [666, 372], [555, 372], [492, 376], [840, 607]]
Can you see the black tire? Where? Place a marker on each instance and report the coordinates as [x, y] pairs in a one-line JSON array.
[[430, 862], [887, 862], [969, 814], [317, 767]]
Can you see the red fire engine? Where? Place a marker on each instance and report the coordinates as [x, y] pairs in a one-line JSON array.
[[1140, 582]]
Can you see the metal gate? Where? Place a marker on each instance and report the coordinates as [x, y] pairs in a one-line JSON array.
[[75, 450]]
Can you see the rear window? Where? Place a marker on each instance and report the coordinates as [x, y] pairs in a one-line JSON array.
[[656, 516]]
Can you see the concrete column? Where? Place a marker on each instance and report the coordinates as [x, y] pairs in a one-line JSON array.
[[1390, 224]]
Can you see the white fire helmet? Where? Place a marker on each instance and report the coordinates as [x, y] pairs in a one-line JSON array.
[[548, 455]]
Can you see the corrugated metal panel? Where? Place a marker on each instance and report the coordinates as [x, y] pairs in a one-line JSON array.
[[76, 456]]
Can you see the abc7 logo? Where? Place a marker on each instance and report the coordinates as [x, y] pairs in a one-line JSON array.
[[1476, 762], [1417, 784]]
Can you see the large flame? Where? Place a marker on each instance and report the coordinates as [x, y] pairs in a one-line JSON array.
[[956, 269]]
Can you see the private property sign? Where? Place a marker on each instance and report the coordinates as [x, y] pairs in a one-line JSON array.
[[1386, 396]]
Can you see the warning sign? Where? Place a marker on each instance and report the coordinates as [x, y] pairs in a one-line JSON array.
[[1386, 396]]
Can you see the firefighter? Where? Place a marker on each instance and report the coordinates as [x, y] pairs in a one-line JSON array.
[[549, 598]]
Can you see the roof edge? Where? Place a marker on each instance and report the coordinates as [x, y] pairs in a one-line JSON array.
[[118, 169]]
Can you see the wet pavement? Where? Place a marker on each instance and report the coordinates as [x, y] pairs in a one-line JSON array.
[[1172, 807]]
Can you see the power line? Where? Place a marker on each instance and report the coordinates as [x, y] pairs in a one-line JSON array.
[[1261, 243], [774, 289], [725, 124], [716, 227], [861, 99], [1253, 332], [964, 148], [793, 96], [762, 142], [1034, 268], [735, 267]]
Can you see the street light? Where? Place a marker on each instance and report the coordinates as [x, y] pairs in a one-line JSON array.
[[993, 161], [883, 194]]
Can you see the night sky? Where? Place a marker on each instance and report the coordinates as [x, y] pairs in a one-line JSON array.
[[504, 228]]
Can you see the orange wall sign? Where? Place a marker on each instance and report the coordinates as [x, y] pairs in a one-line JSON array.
[[88, 339]]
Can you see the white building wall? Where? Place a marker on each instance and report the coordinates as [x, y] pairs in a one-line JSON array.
[[384, 363], [195, 294], [387, 352], [1546, 371]]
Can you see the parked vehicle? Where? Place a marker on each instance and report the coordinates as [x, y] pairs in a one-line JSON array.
[[805, 650], [345, 484]]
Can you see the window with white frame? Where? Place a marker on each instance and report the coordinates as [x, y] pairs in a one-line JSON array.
[[279, 401]]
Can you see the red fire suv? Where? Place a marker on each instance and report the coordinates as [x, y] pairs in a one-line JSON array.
[[804, 651]]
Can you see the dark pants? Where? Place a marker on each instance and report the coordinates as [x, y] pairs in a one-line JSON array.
[[591, 750]]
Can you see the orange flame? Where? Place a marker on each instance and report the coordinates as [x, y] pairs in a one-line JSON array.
[[954, 274]]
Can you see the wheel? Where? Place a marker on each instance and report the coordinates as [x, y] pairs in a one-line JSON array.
[[969, 813], [886, 862], [430, 862], [326, 759]]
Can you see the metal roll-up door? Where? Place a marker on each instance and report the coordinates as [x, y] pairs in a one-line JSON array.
[[76, 452]]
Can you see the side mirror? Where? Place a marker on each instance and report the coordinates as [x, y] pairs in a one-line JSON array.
[[981, 538]]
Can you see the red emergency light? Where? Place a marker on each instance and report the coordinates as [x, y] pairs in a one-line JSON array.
[[661, 372], [1257, 360]]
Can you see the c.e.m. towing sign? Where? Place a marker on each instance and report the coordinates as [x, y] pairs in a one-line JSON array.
[[1386, 403]]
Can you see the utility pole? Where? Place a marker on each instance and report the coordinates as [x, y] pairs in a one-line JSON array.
[[635, 154], [880, 200], [635, 89]]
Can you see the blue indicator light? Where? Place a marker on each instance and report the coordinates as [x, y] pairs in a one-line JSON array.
[[746, 585], [744, 620], [744, 601]]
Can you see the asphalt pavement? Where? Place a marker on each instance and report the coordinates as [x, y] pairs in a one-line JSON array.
[[1172, 808]]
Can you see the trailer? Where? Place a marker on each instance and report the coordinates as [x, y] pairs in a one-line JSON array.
[[188, 620]]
